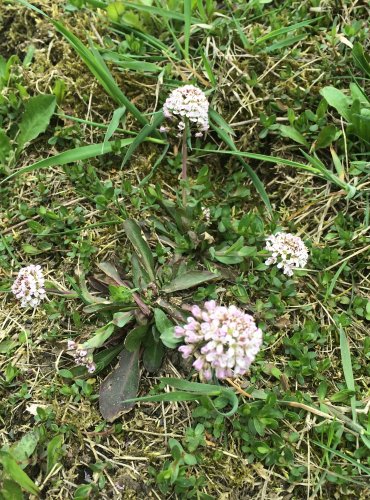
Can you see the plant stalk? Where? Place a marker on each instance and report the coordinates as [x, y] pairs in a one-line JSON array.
[[184, 174]]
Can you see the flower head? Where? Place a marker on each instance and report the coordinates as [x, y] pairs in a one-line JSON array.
[[223, 340], [287, 251], [188, 103], [81, 355], [29, 286]]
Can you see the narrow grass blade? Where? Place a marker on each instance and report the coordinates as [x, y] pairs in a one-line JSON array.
[[330, 288], [114, 124], [187, 27], [345, 457], [164, 13], [96, 65], [141, 247], [208, 68], [252, 174], [291, 40], [347, 368], [283, 31], [71, 156], [142, 135]]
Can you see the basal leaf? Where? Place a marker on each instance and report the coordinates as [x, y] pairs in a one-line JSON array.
[[361, 59], [338, 100], [101, 336], [120, 385], [135, 337], [36, 118], [13, 470], [54, 452], [153, 356], [292, 133], [10, 490], [5, 146], [189, 280], [141, 247]]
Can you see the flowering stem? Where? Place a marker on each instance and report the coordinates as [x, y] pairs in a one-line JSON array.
[[184, 174]]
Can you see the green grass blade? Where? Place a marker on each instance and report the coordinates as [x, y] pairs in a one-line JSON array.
[[330, 288], [345, 457], [142, 135], [150, 40], [283, 31], [208, 68], [71, 156], [252, 174], [114, 123], [96, 65], [141, 247], [164, 13], [347, 368], [187, 27]]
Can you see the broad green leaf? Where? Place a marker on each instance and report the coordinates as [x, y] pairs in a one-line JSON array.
[[190, 391], [326, 136], [13, 470], [115, 11], [10, 490], [121, 318], [338, 100], [36, 118], [101, 335], [101, 360], [121, 385], [5, 147], [141, 247], [153, 356], [292, 133], [166, 329], [111, 271], [22, 451], [360, 58], [189, 280], [135, 337], [54, 452], [161, 320]]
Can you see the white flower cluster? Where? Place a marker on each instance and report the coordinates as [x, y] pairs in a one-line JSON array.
[[206, 212], [29, 285], [288, 252], [224, 340], [81, 356], [187, 103]]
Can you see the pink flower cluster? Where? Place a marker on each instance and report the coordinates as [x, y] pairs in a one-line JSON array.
[[29, 285], [288, 252], [81, 356], [224, 340], [187, 103]]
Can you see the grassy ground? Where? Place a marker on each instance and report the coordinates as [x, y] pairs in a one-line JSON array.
[[264, 66]]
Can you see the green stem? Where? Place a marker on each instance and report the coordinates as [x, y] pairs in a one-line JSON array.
[[184, 174]]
